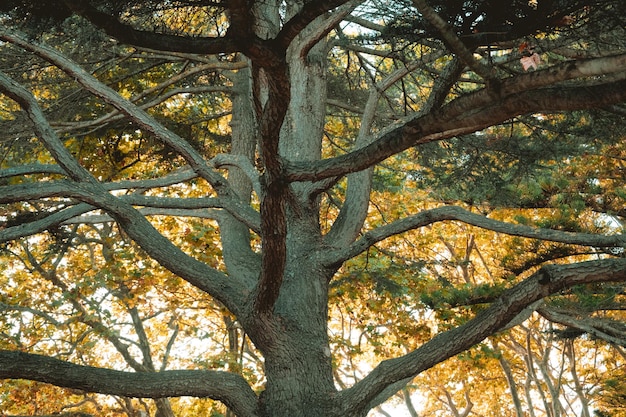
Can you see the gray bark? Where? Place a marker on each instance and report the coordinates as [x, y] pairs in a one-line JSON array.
[[279, 294]]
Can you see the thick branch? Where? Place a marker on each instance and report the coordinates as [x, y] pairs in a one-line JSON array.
[[231, 389], [548, 280], [459, 214], [462, 116], [515, 96], [153, 40]]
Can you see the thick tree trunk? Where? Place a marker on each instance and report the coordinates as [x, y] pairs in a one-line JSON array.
[[293, 338], [297, 357]]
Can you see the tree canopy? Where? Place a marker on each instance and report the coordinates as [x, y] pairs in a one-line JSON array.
[[308, 208]]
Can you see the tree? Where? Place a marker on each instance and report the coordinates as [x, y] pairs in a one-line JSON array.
[[328, 103]]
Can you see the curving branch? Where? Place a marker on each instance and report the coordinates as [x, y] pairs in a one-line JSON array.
[[231, 291], [522, 94], [104, 218], [231, 389], [548, 280], [14, 307], [50, 140], [354, 210], [40, 225], [177, 176], [241, 162], [71, 214], [455, 213], [157, 41], [116, 115], [304, 40]]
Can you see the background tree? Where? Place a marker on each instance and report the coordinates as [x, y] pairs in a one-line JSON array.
[[256, 201]]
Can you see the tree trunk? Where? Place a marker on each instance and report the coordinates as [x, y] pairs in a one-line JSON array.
[[297, 357], [293, 337]]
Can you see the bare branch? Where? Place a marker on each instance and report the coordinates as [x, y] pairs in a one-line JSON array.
[[231, 389], [459, 214]]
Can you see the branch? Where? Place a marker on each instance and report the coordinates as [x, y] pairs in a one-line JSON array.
[[309, 12], [42, 314], [548, 280], [104, 218], [187, 207], [248, 217], [177, 176], [445, 213], [50, 140], [116, 115], [157, 41], [461, 116], [143, 119], [31, 169], [231, 291], [231, 389], [233, 204], [604, 329], [43, 224], [354, 210], [241, 162], [323, 25], [453, 42]]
